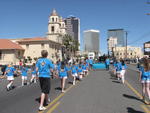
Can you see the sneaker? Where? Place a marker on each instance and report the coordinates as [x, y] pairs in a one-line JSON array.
[[63, 91], [49, 100], [74, 83], [42, 108]]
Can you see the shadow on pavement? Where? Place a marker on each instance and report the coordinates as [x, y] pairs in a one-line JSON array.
[[117, 82], [131, 110], [133, 97], [58, 88]]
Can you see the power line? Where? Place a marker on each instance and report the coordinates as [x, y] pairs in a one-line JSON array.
[[140, 38]]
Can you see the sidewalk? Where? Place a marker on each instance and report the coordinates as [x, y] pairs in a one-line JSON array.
[[98, 93]]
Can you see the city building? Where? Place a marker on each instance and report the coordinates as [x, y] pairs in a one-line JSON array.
[[56, 27], [147, 48], [91, 41], [73, 27], [10, 52], [119, 34], [14, 50], [112, 43], [132, 52]]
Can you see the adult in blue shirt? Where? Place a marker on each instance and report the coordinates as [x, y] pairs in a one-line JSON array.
[[107, 62], [44, 67]]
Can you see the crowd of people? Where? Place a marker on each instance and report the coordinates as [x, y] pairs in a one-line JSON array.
[[45, 69]]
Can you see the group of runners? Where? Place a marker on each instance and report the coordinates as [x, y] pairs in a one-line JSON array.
[[44, 69], [144, 75]]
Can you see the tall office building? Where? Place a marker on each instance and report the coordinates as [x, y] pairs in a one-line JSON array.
[[91, 41], [117, 36], [73, 27]]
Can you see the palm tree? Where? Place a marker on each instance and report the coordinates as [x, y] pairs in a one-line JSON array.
[[70, 45]]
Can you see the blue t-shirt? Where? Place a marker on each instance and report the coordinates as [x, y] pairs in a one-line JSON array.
[[74, 69], [118, 67], [10, 71], [90, 61], [44, 65], [24, 71], [63, 72], [84, 67], [34, 71], [145, 74], [79, 70], [123, 67], [107, 61]]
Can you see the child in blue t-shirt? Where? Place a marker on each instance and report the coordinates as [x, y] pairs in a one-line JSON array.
[[74, 73], [63, 75], [145, 77], [9, 72], [80, 72], [24, 73], [33, 73]]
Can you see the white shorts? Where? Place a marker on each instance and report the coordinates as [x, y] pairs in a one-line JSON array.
[[24, 77], [33, 75], [122, 72], [10, 77], [145, 81], [118, 72], [64, 77], [75, 74]]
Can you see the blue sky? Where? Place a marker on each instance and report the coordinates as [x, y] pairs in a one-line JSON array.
[[29, 18]]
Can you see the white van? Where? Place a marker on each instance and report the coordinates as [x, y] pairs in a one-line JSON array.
[[91, 55]]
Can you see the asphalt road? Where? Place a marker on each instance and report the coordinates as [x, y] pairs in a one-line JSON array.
[[99, 92]]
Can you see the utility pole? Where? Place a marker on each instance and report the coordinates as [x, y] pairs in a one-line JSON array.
[[126, 44]]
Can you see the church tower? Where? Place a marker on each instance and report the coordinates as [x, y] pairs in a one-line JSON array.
[[56, 27]]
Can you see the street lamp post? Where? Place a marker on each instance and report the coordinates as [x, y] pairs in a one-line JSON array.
[[126, 45]]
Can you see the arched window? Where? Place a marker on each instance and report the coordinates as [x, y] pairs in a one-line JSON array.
[[56, 19], [52, 19], [52, 29]]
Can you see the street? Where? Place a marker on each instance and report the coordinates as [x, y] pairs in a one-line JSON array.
[[99, 92]]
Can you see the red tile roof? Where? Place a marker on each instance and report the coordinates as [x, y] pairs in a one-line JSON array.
[[33, 39], [7, 44]]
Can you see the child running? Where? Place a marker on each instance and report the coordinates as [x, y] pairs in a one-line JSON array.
[[80, 72], [9, 72], [62, 71], [33, 78], [24, 73], [145, 78], [74, 72], [123, 70]]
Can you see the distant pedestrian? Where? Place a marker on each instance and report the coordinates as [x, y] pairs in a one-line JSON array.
[[145, 77], [34, 76], [74, 72], [62, 72], [24, 73], [107, 63], [44, 67], [123, 71], [9, 72]]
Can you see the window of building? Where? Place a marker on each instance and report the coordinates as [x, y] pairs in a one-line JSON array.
[[0, 55], [42, 46], [52, 29], [52, 19], [130, 53], [120, 53], [56, 19], [27, 46]]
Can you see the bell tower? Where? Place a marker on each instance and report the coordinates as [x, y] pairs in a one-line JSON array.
[[53, 26]]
